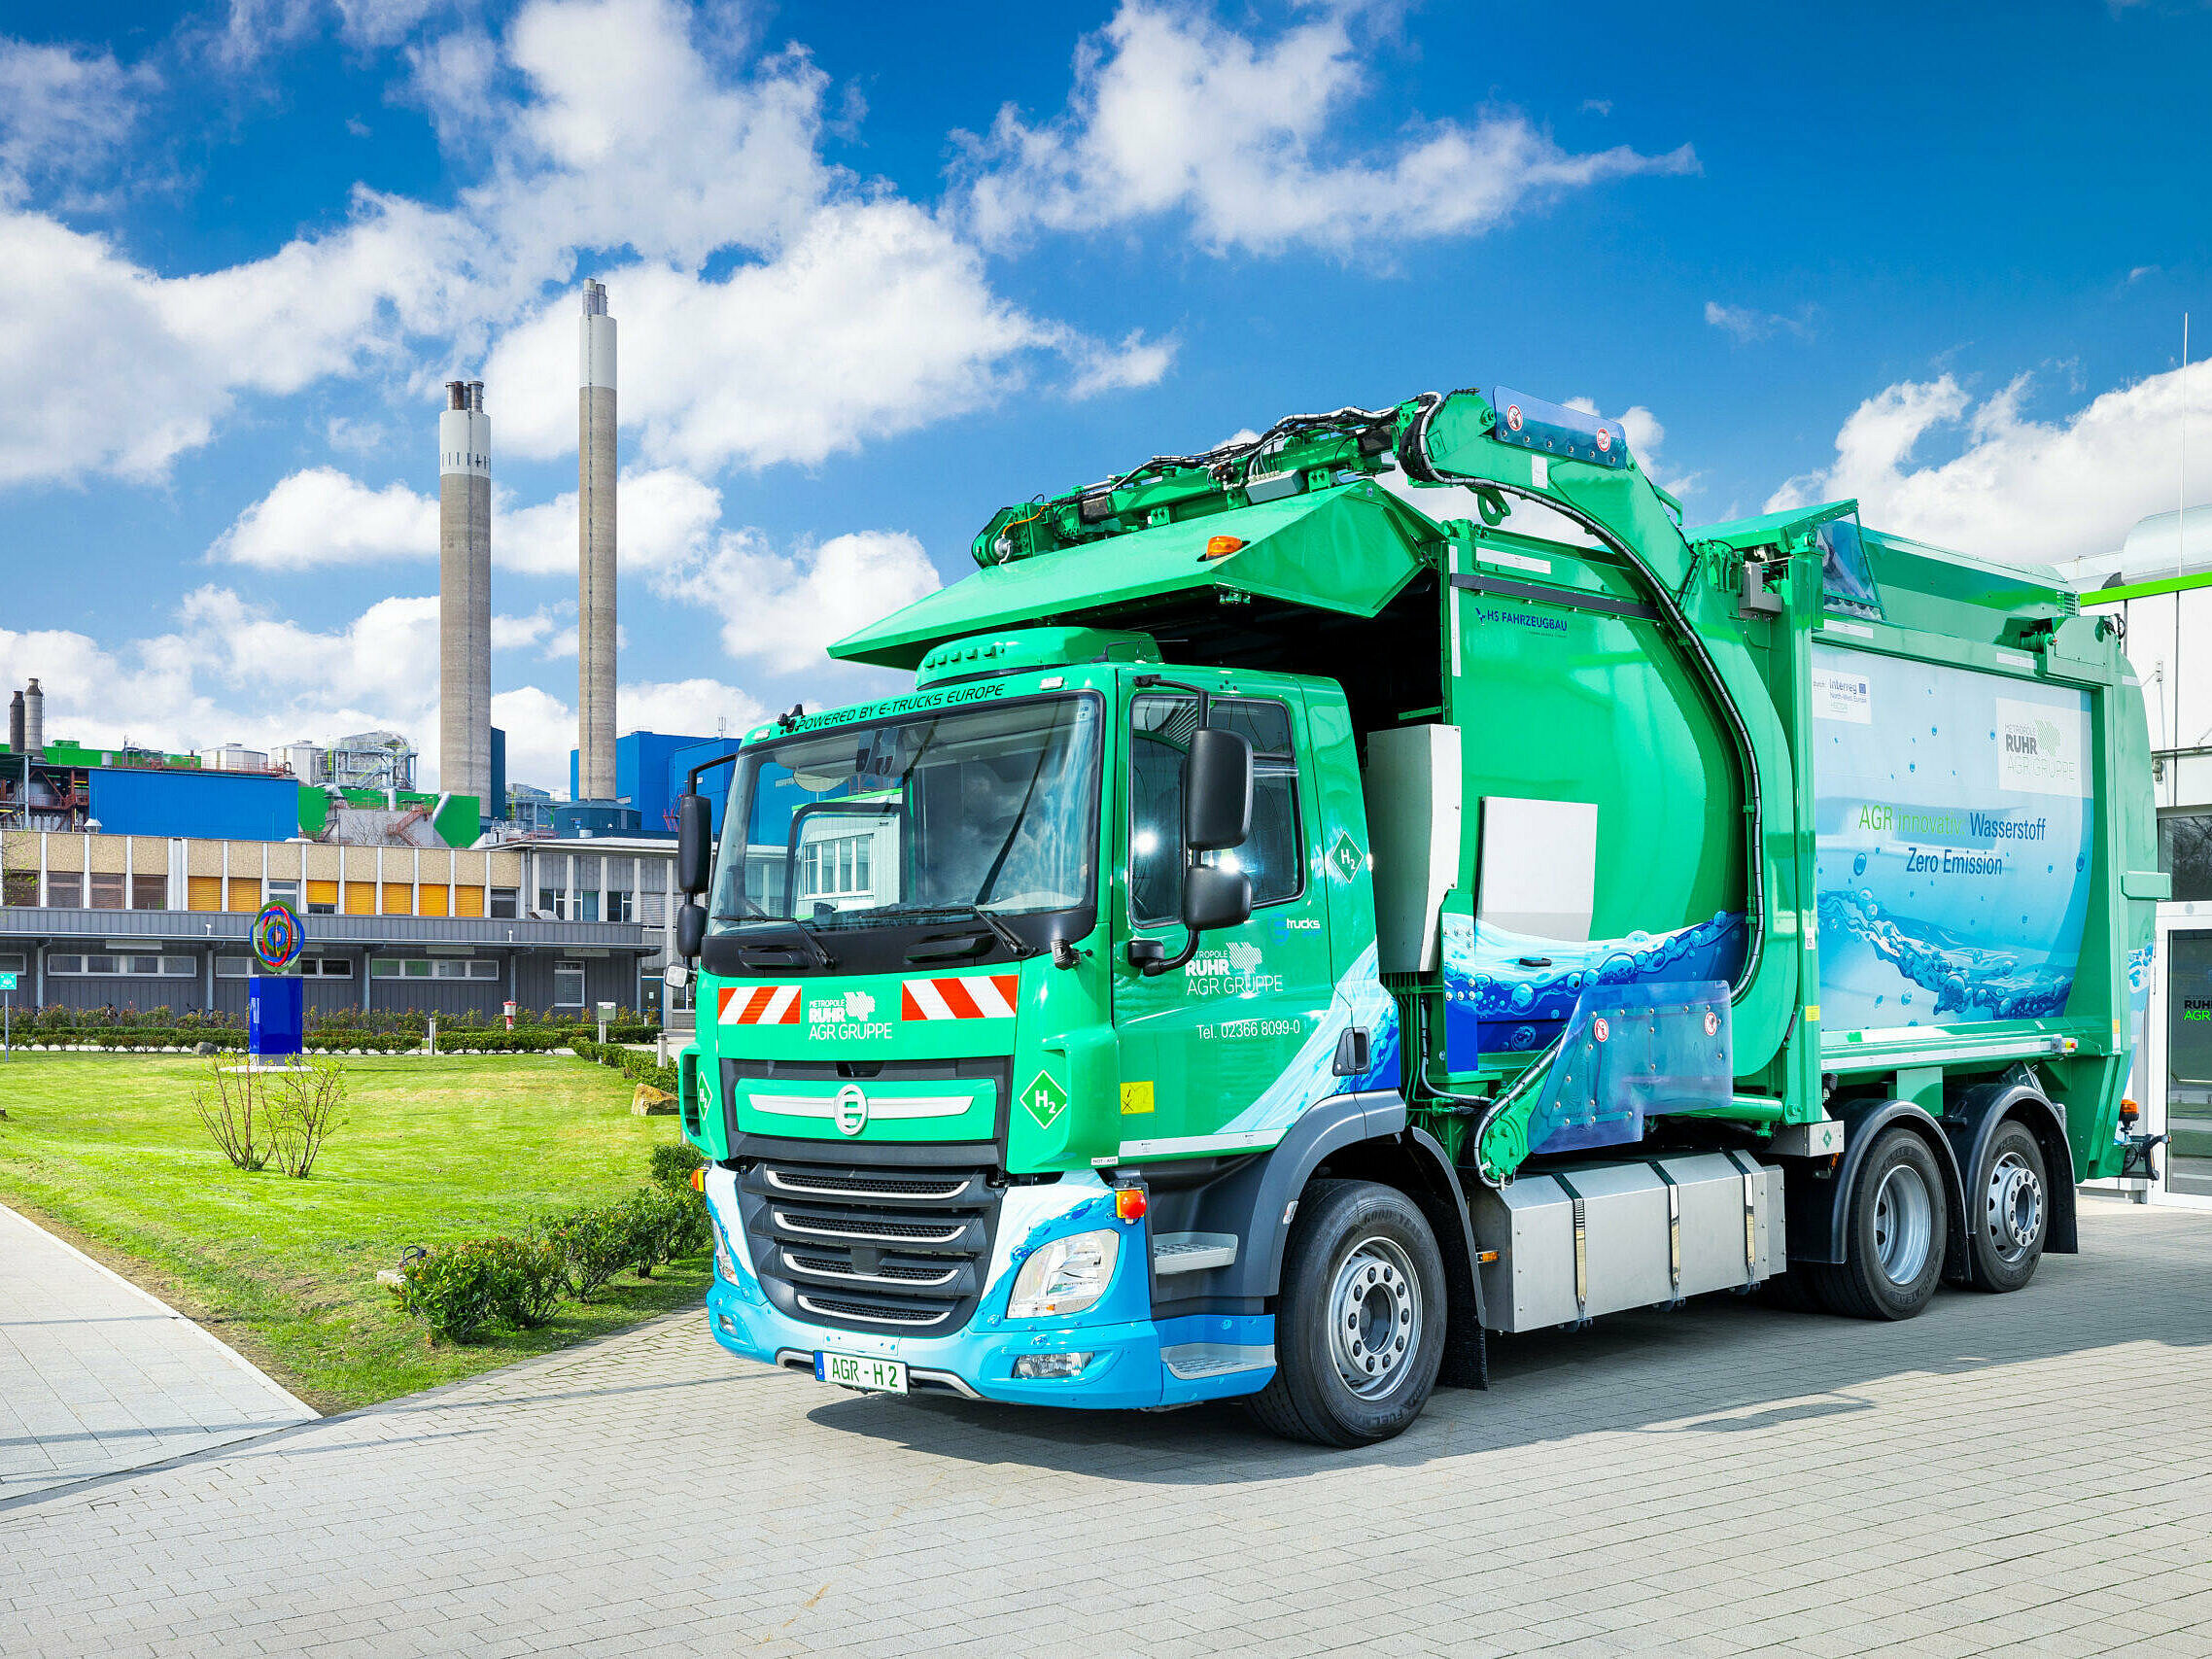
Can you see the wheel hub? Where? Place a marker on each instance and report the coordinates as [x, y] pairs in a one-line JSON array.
[[1374, 1316], [1904, 1225], [2013, 1207]]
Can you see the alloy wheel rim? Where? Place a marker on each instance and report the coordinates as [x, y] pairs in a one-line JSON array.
[[1904, 1225], [1374, 1316]]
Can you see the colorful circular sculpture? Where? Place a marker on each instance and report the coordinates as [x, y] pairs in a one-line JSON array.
[[277, 938]]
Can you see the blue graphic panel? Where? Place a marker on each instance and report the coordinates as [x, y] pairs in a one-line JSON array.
[[1511, 993], [1632, 1051], [1953, 818]]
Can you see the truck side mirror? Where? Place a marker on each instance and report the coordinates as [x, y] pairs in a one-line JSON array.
[[694, 843], [690, 931], [1217, 791], [1214, 897]]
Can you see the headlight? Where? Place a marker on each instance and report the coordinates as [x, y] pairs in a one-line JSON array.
[[1065, 1276], [725, 1264]]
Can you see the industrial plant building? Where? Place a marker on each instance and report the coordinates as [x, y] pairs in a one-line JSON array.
[[100, 920], [129, 877]]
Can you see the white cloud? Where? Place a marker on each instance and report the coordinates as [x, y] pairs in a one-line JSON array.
[[1171, 112], [785, 608], [876, 320], [229, 669], [322, 516], [65, 113], [2017, 488], [233, 671], [592, 128], [1748, 324]]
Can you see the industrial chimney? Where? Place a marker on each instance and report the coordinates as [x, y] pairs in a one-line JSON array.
[[16, 724], [595, 551], [34, 721], [465, 592]]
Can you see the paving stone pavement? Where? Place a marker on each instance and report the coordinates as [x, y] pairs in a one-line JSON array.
[[2006, 1474], [97, 1376]]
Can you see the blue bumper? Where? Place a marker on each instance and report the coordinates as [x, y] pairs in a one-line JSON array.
[[1135, 1360]]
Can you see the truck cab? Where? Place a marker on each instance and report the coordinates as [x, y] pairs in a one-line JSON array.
[[939, 1061]]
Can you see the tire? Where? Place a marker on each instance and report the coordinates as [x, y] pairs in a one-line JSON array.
[[2007, 1210], [1893, 1237], [1363, 1296]]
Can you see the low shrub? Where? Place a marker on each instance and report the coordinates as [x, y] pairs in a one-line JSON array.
[[456, 1290], [595, 1242], [637, 1067], [529, 1280], [672, 1164]]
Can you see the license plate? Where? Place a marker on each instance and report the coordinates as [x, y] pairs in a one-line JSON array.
[[852, 1370]]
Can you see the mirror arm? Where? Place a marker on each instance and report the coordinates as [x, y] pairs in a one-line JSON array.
[[1154, 966]]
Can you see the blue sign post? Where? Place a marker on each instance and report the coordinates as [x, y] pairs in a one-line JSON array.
[[275, 1000]]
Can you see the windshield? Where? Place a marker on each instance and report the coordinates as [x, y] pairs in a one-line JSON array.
[[993, 809]]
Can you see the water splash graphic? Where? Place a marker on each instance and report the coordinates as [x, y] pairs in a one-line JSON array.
[[1963, 977]]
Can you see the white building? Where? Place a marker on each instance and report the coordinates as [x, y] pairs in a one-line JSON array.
[[2160, 584]]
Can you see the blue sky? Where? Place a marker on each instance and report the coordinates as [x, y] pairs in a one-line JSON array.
[[879, 269]]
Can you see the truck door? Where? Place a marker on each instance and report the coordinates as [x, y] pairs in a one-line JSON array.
[[1209, 1051]]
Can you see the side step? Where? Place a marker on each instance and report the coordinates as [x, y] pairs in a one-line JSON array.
[[1191, 1252]]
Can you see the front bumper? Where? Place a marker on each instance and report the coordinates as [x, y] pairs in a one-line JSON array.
[[1136, 1359]]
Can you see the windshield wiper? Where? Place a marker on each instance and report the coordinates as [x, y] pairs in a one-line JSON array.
[[1006, 935], [805, 932]]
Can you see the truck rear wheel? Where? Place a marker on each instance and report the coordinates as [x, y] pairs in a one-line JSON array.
[[1360, 1321], [1893, 1237], [2007, 1211]]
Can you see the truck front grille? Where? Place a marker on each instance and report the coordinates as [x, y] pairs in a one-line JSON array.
[[870, 1248]]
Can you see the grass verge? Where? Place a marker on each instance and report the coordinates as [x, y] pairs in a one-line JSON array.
[[105, 1150]]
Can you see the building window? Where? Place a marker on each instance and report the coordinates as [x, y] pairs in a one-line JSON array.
[[10, 964], [568, 984], [586, 905], [65, 889], [106, 887], [2185, 852], [19, 887], [233, 967], [551, 903], [149, 892], [834, 868], [104, 966], [503, 903], [429, 968], [284, 894], [621, 907], [325, 967]]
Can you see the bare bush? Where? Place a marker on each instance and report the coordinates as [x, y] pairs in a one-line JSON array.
[[304, 1109], [234, 1108]]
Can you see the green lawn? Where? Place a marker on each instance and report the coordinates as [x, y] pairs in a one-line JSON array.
[[106, 1152]]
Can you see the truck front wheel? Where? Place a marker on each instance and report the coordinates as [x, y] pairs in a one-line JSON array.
[[1893, 1237], [2006, 1210], [1360, 1321]]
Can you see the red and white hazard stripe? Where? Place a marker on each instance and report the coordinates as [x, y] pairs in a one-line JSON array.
[[970, 996], [761, 1005]]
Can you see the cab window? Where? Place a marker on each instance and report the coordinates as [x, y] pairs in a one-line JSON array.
[[1160, 724]]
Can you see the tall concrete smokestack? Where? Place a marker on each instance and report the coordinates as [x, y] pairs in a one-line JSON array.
[[34, 721], [465, 592], [595, 551], [16, 724]]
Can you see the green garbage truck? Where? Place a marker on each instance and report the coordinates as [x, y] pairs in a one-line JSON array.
[[1286, 937]]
